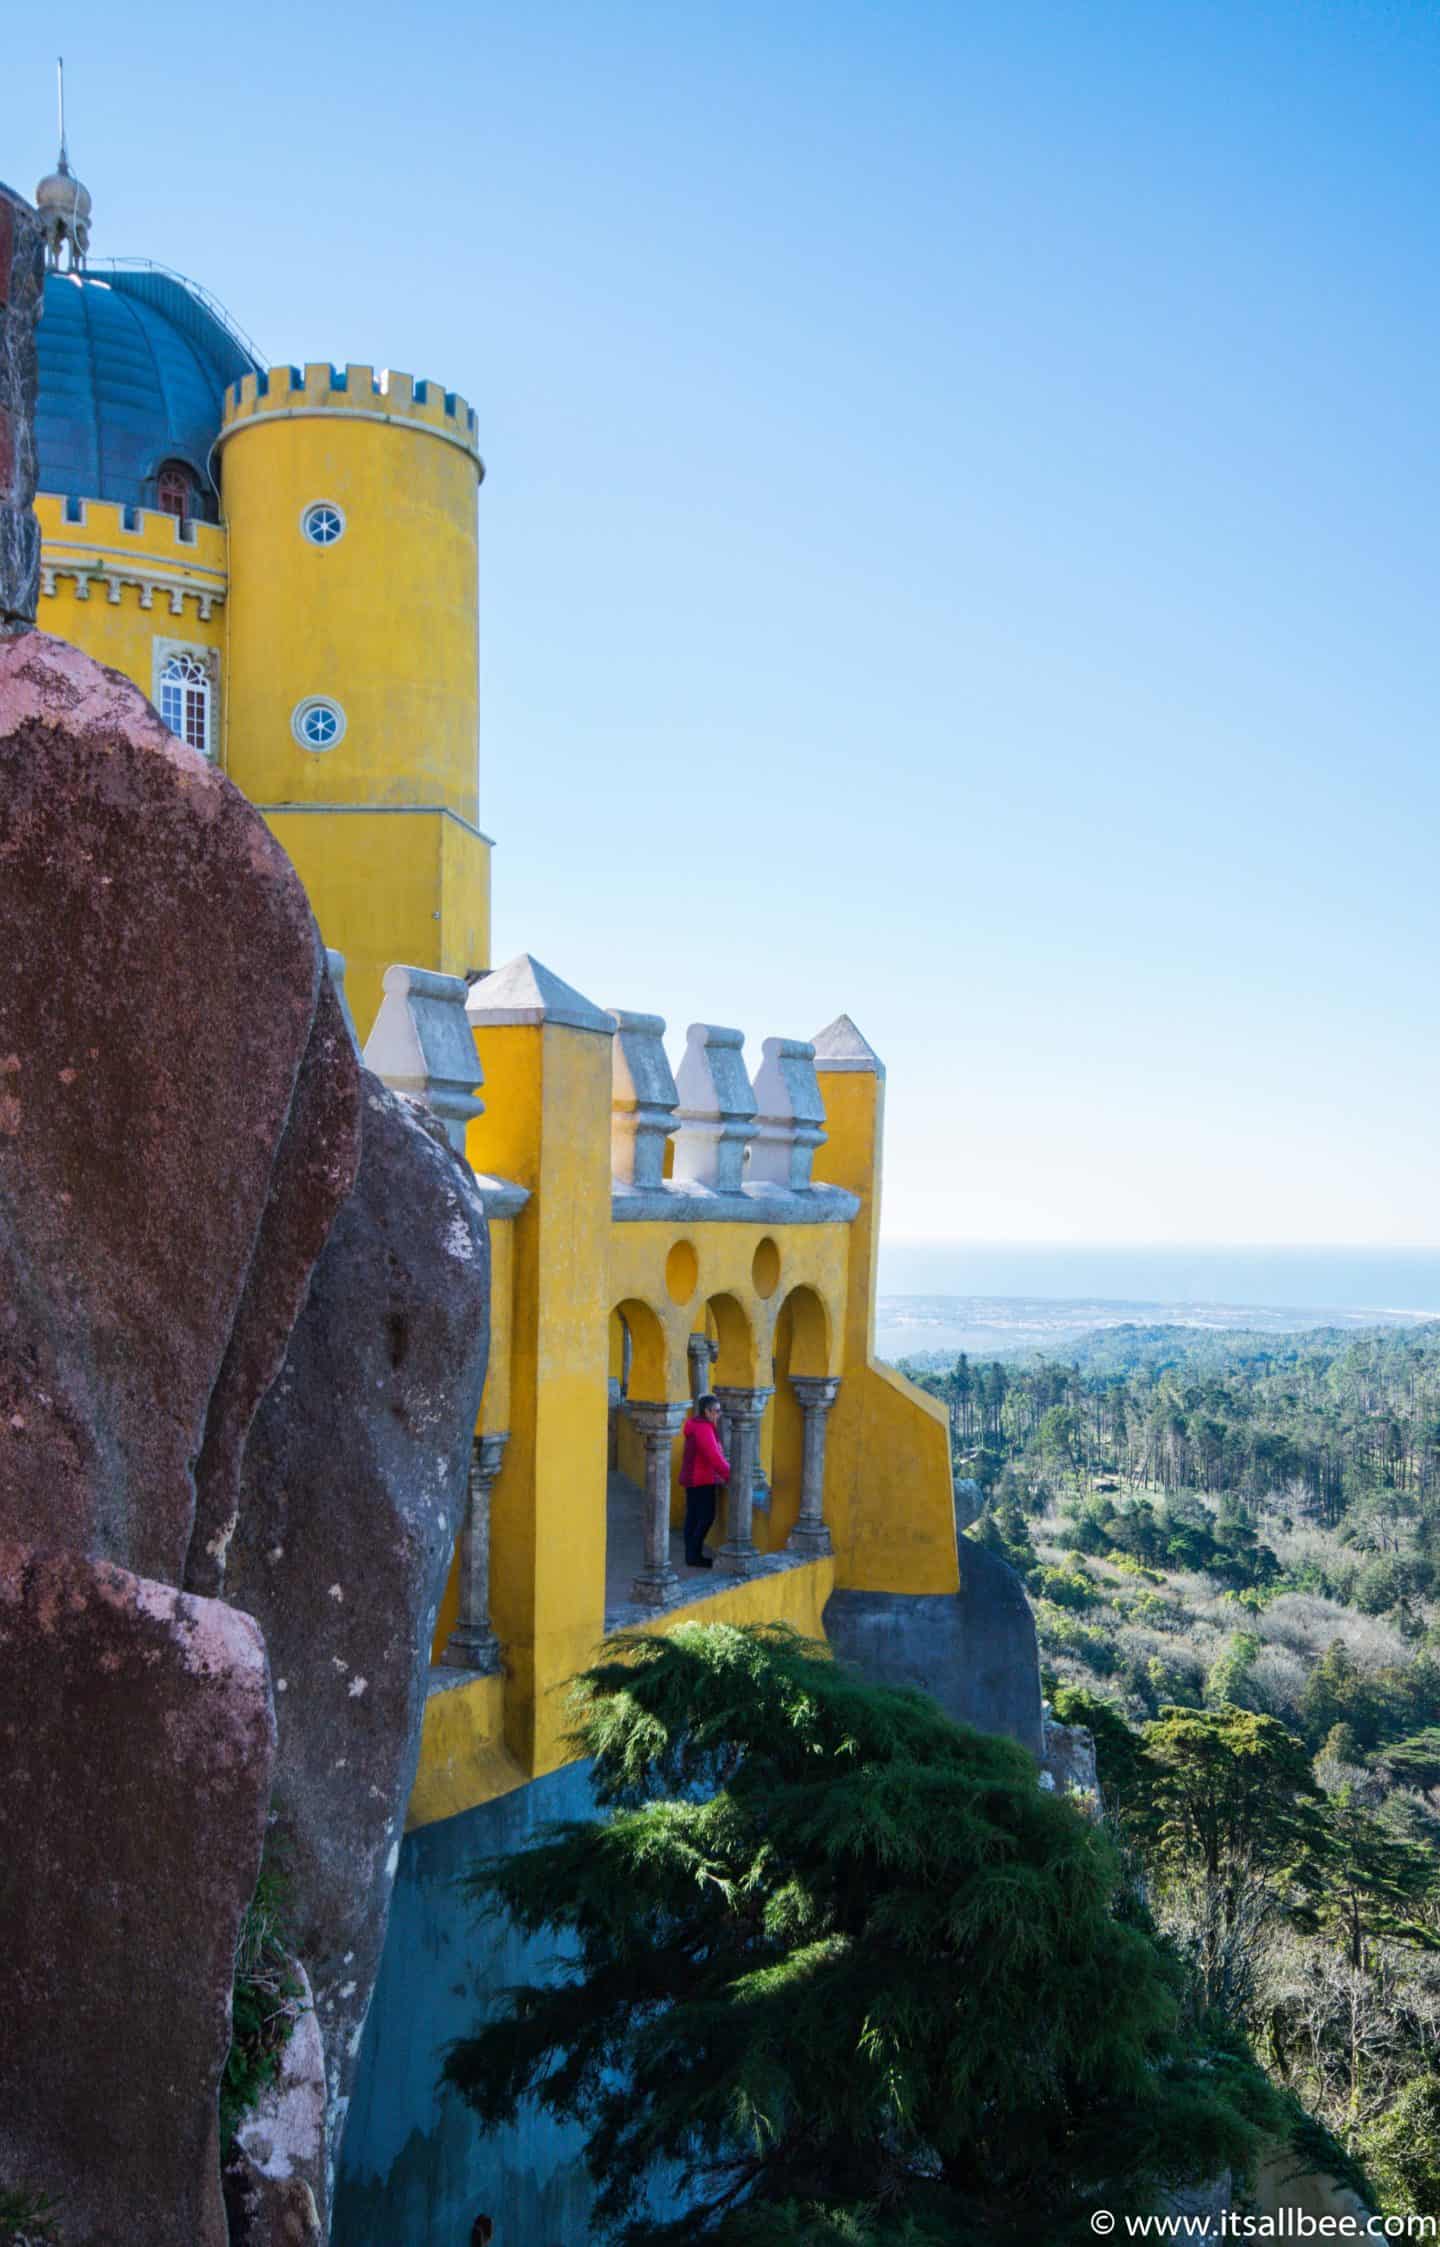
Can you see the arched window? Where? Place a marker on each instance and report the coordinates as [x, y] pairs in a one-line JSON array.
[[175, 490], [185, 700]]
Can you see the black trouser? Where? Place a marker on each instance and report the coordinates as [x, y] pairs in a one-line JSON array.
[[700, 1503]]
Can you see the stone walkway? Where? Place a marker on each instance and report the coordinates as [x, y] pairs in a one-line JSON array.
[[624, 1550]]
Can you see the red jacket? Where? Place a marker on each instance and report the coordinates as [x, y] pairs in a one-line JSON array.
[[703, 1461]]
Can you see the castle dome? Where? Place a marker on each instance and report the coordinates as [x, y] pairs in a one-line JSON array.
[[133, 367]]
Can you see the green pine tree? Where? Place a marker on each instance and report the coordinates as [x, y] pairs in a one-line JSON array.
[[844, 1969]]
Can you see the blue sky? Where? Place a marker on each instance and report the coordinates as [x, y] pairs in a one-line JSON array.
[[959, 542]]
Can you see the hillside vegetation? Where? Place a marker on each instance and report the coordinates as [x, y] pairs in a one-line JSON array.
[[1232, 1546]]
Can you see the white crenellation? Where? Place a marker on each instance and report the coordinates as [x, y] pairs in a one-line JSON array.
[[643, 1099], [422, 1046], [716, 1115]]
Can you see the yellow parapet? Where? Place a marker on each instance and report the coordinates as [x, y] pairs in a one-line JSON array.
[[545, 1052], [889, 1488], [138, 589]]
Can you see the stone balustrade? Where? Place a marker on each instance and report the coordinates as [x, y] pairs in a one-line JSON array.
[[716, 1115], [740, 1151], [422, 1046], [791, 1114], [643, 1101]]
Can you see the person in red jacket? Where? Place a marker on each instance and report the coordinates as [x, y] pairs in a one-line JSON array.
[[703, 1467]]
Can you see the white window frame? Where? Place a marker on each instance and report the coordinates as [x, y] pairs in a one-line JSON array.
[[165, 652], [297, 723], [310, 508]]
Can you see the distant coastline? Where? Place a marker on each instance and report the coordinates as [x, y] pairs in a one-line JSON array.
[[998, 1299], [987, 1326]]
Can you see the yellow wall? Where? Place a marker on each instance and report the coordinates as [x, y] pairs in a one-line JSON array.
[[385, 622], [376, 880], [889, 1488], [464, 1755], [100, 556], [547, 1126]]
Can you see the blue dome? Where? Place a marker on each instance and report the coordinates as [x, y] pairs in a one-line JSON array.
[[133, 371]]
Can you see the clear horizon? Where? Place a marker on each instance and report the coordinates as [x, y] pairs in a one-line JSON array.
[[958, 544]]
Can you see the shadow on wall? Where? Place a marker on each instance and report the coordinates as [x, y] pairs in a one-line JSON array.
[[416, 2165], [974, 1651]]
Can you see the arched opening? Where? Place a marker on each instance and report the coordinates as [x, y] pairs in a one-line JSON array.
[[802, 1345], [733, 1364], [637, 1376], [728, 1325]]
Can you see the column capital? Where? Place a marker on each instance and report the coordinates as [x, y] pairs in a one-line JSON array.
[[743, 1404], [487, 1453], [701, 1346], [656, 1420], [816, 1391]]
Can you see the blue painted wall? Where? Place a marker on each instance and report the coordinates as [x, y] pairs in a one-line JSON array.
[[415, 2170]]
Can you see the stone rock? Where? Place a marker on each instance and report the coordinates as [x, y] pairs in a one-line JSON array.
[[353, 1495], [161, 973], [314, 1171], [1068, 1763], [22, 281], [275, 2172], [974, 1651], [136, 1742]]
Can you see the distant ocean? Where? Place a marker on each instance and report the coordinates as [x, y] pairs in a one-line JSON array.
[[995, 1300]]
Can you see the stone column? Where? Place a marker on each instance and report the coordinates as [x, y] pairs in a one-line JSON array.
[[816, 1393], [743, 1409], [472, 1645], [702, 1353], [659, 1424]]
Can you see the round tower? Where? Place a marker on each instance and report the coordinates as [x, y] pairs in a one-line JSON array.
[[352, 700]]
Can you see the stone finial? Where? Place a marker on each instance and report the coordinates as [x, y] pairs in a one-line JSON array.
[[792, 1113], [717, 1109], [335, 968], [643, 1099], [840, 1049], [526, 991], [421, 1046], [22, 280]]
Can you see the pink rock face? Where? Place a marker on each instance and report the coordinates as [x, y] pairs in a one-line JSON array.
[[136, 1743], [159, 984]]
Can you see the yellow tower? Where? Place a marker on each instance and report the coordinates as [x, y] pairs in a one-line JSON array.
[[351, 710]]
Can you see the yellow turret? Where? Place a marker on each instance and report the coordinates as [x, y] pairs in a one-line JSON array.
[[352, 702]]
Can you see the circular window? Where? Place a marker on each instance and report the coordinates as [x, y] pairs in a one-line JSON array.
[[323, 522], [765, 1269], [317, 723], [682, 1270]]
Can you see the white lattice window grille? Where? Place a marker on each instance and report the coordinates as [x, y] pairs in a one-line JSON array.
[[185, 691], [323, 522], [317, 722]]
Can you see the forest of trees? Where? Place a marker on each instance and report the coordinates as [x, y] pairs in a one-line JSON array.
[[1232, 1548], [1329, 1423]]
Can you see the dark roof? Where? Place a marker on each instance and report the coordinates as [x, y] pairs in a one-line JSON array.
[[133, 371]]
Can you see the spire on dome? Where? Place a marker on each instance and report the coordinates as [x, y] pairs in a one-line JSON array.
[[63, 203]]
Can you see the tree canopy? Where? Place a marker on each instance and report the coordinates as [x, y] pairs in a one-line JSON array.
[[837, 1969]]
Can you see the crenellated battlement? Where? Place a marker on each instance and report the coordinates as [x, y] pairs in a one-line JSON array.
[[288, 392], [98, 545], [107, 527]]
